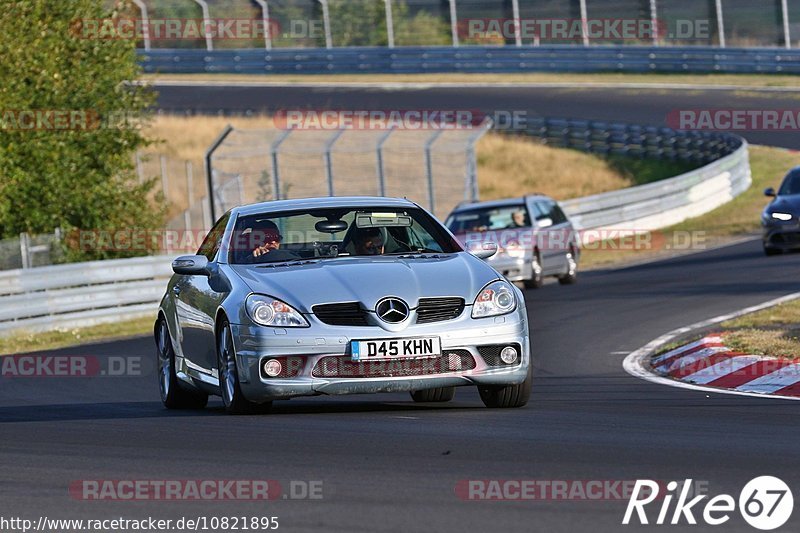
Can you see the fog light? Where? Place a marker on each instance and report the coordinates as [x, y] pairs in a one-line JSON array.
[[273, 367], [508, 355]]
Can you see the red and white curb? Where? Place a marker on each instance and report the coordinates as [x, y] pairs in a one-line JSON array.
[[708, 365], [709, 362]]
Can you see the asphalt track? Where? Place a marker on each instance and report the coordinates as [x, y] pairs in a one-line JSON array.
[[388, 464], [636, 106]]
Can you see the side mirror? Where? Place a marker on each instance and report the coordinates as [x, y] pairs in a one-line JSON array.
[[482, 250], [769, 191], [544, 222], [191, 265]]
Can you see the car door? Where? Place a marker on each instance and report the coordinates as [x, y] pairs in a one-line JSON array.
[[560, 234], [196, 304]]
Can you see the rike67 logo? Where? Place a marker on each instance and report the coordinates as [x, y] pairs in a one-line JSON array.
[[765, 502]]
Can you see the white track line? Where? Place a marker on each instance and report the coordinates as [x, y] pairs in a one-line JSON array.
[[637, 363]]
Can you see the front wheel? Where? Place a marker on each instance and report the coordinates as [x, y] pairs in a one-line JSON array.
[[439, 394], [230, 390], [509, 395], [768, 250], [172, 395]]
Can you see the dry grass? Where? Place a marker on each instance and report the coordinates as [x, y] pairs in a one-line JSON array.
[[780, 316], [512, 166], [52, 340], [746, 80], [774, 342]]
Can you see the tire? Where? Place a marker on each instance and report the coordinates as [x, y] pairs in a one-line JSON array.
[[536, 267], [173, 396], [508, 396], [771, 251], [571, 277], [229, 388], [440, 394]]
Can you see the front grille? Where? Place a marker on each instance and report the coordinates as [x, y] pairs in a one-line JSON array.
[[786, 238], [491, 354], [342, 366], [439, 309], [341, 314]]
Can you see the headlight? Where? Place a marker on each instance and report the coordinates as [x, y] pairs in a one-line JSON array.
[[267, 311], [782, 216], [497, 298], [514, 249]]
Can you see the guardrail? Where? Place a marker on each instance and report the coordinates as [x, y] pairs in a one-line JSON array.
[[725, 174], [415, 60], [81, 294], [89, 293]]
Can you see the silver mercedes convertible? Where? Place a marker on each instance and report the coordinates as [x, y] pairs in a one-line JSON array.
[[338, 296]]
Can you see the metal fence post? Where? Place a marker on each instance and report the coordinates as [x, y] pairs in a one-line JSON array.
[[584, 23], [787, 32], [326, 22], [517, 22], [329, 160], [454, 22], [145, 24], [207, 221], [189, 184], [206, 21], [273, 152], [429, 169], [654, 21], [381, 169], [720, 23], [210, 171], [389, 23], [471, 192], [164, 177], [267, 28], [23, 250]]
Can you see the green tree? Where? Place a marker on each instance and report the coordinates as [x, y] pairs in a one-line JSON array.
[[52, 176], [363, 23]]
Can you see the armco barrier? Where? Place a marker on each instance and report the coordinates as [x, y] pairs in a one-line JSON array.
[[83, 294], [415, 60]]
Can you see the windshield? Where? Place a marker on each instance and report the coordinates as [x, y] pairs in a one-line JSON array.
[[336, 233], [791, 184], [488, 219]]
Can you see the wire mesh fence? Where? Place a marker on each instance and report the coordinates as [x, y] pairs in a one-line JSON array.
[[344, 23], [28, 251], [436, 168]]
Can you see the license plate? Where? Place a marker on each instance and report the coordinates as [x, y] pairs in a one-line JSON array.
[[394, 348]]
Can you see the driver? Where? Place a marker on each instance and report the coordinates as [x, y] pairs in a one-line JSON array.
[[265, 241], [369, 241]]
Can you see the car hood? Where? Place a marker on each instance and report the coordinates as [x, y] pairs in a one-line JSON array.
[[369, 279], [786, 203]]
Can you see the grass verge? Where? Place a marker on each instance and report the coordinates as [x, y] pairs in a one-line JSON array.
[[774, 331], [62, 338], [743, 80]]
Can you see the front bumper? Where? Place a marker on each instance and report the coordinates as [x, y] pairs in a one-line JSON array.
[[256, 344], [782, 236]]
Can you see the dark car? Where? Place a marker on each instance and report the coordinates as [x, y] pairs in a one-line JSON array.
[[781, 218]]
